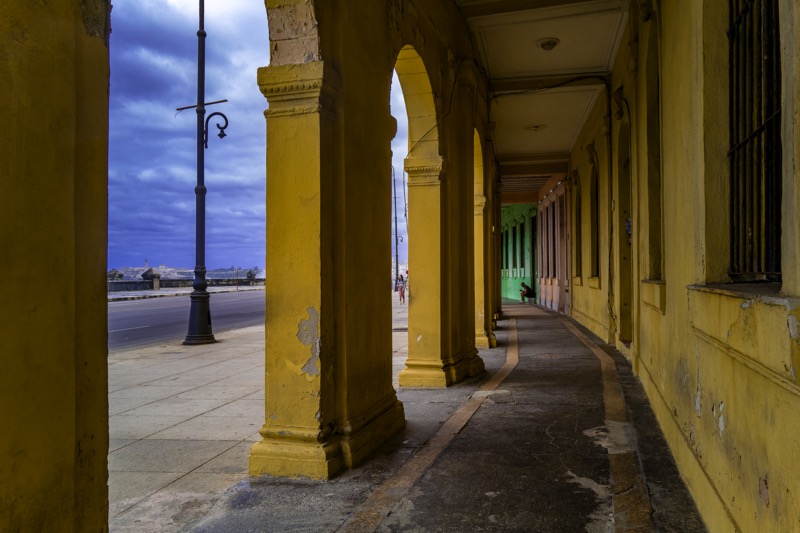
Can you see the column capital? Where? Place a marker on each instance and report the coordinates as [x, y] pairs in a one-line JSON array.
[[480, 203], [425, 171], [298, 89]]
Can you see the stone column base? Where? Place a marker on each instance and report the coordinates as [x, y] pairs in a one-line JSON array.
[[287, 453], [481, 339], [363, 434], [295, 456], [432, 374]]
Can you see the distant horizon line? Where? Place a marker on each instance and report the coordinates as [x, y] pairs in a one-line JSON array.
[[189, 268]]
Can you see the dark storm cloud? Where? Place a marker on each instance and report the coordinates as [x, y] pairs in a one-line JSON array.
[[399, 153], [152, 168]]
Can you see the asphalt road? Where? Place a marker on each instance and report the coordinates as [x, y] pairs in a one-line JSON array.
[[135, 323]]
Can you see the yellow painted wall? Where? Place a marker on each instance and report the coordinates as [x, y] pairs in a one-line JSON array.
[[589, 294], [53, 386], [718, 365]]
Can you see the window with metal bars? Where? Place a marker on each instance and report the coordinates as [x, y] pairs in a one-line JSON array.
[[504, 249], [514, 247], [578, 232], [522, 248], [755, 140]]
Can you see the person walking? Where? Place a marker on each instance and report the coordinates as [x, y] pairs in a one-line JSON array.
[[401, 289]]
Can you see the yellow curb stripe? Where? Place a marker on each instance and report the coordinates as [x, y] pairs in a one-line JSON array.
[[631, 503]]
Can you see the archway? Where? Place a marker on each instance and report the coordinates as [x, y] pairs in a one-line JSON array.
[[425, 167]]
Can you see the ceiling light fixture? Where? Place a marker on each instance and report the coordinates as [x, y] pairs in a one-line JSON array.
[[548, 43], [536, 127]]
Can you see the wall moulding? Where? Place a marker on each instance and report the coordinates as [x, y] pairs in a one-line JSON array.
[[299, 86], [654, 294], [759, 331], [425, 171]]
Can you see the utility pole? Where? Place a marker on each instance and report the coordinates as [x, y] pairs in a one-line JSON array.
[[396, 236]]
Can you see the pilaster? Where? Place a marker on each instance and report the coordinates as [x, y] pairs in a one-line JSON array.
[[481, 331]]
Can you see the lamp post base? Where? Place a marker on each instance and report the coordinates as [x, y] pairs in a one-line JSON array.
[[200, 319]]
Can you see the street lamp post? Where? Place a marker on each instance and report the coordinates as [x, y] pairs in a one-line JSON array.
[[396, 236], [200, 312]]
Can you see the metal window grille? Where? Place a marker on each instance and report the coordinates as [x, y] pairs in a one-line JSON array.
[[504, 249], [578, 227], [514, 247], [594, 223], [755, 142], [533, 248], [553, 241]]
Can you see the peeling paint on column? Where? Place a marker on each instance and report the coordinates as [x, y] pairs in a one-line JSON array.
[[293, 32], [308, 334], [792, 322], [763, 489], [96, 15]]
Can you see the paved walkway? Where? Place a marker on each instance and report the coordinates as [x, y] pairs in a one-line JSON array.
[[557, 436]]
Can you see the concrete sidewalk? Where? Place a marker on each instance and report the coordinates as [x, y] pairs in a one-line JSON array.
[[182, 420], [530, 446]]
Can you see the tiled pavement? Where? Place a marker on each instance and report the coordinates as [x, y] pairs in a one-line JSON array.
[[181, 423]]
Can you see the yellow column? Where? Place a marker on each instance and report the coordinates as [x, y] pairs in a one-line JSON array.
[[424, 366], [481, 331], [296, 438], [497, 302], [53, 222], [490, 247]]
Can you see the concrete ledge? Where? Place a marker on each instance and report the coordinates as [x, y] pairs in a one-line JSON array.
[[141, 295]]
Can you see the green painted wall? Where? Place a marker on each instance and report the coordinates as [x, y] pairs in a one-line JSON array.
[[522, 218]]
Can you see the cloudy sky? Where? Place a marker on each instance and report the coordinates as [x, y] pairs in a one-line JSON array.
[[152, 170]]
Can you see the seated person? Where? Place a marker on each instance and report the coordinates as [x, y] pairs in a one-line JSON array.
[[525, 292]]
